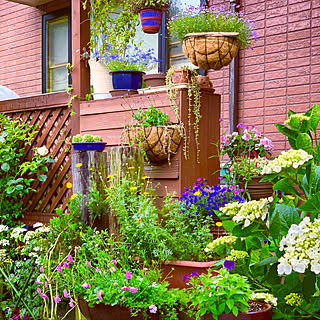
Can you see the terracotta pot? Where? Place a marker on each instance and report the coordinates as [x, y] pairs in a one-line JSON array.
[[103, 312], [155, 80], [151, 19], [265, 314], [257, 189], [175, 271], [211, 50], [157, 142], [181, 76]]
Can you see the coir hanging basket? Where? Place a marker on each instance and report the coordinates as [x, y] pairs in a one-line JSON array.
[[211, 50], [158, 142]]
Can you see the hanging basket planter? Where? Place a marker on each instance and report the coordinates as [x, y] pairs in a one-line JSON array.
[[157, 142], [211, 50], [151, 19]]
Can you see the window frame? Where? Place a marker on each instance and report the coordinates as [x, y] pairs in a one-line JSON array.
[[45, 19]]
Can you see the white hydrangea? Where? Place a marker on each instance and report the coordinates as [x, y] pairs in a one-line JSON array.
[[37, 225], [213, 246], [3, 228], [249, 211], [15, 233], [287, 159], [264, 296], [4, 242], [28, 236], [301, 247]]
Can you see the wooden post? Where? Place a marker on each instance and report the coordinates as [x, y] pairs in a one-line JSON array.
[[120, 160], [93, 170]]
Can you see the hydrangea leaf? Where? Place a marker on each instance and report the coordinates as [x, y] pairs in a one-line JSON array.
[[275, 226], [315, 117], [285, 185], [312, 204], [286, 131], [308, 284], [288, 216], [304, 142]]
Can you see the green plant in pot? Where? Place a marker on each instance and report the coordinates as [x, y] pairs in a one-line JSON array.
[[223, 32], [87, 142], [150, 13], [187, 76], [154, 134]]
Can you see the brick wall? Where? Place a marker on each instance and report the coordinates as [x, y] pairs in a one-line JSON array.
[[282, 71], [20, 45]]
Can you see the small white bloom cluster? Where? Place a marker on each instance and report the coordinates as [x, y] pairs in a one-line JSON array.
[[16, 232], [42, 151], [247, 211], [301, 247], [287, 159], [3, 228], [264, 296], [4, 242], [214, 245]]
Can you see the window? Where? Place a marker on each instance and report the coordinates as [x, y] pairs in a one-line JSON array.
[[56, 51]]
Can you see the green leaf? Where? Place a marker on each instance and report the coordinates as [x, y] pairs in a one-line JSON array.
[[309, 284], [230, 304], [267, 261], [235, 311], [253, 243], [288, 216], [292, 143], [312, 204], [315, 118], [285, 185], [238, 231], [265, 252], [304, 142], [5, 167], [286, 131], [229, 225], [275, 226], [42, 177]]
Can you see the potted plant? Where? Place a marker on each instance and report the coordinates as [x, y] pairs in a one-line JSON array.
[[193, 224], [211, 36], [153, 133], [150, 13], [128, 68], [88, 142], [187, 76], [223, 297]]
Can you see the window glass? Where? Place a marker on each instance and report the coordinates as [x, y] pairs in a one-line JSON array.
[[57, 54], [176, 56]]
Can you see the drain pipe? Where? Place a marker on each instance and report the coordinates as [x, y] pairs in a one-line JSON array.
[[233, 84]]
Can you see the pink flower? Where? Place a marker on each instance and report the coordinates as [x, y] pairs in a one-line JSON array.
[[69, 258], [128, 275], [42, 295], [122, 298], [99, 294], [88, 264], [245, 136], [66, 264], [38, 282], [241, 190], [59, 268], [133, 290], [56, 299], [98, 270], [86, 285], [114, 262], [124, 288], [227, 141], [220, 178], [71, 303], [65, 293], [220, 119], [153, 309], [41, 269], [235, 191], [46, 284]]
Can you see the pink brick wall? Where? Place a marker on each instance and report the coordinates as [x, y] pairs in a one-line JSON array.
[[20, 45], [282, 71]]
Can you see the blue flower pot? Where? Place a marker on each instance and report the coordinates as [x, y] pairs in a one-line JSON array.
[[88, 146], [127, 79]]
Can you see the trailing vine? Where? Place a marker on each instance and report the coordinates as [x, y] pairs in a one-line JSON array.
[[193, 107]]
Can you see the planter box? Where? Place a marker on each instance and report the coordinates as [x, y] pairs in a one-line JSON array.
[[175, 271]]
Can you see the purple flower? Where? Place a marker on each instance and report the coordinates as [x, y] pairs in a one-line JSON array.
[[42, 295], [88, 264], [114, 262], [128, 275], [240, 125], [65, 294], [133, 290], [99, 294], [86, 285], [194, 274], [228, 264], [241, 190], [186, 278], [124, 288], [71, 303], [59, 268], [216, 288], [220, 119], [66, 265], [70, 258], [41, 269], [56, 299], [46, 284]]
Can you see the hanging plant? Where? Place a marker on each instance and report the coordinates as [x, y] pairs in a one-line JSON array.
[[188, 76]]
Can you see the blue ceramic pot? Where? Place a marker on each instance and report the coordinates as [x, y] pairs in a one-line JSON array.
[[127, 79], [88, 146]]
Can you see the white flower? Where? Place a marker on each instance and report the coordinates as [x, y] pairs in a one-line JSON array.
[[43, 151], [247, 223], [299, 267], [16, 232], [37, 225], [284, 268], [3, 228], [153, 309], [315, 267], [4, 242]]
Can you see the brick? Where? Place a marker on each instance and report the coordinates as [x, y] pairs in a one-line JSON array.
[[253, 69], [277, 30], [300, 108], [280, 11], [275, 92], [315, 22], [298, 90], [315, 88], [295, 81], [300, 34], [247, 87], [272, 84], [253, 104], [275, 101], [252, 77], [299, 16], [305, 98], [278, 47], [275, 3], [276, 39], [299, 62], [315, 98], [298, 7], [316, 12], [270, 22], [299, 71], [298, 44], [254, 52], [271, 119], [278, 56], [300, 25], [276, 65], [258, 7], [276, 74], [299, 53], [251, 95]]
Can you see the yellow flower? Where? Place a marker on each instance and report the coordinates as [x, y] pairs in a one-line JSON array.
[[78, 165], [146, 193], [139, 220], [80, 233], [219, 224], [198, 193], [90, 169], [111, 187], [69, 185], [133, 188], [145, 177], [109, 176], [142, 184], [130, 168], [108, 197], [80, 227], [73, 196]]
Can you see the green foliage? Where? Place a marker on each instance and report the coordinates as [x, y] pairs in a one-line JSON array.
[[150, 117], [16, 174], [199, 19], [225, 293], [86, 138], [137, 5]]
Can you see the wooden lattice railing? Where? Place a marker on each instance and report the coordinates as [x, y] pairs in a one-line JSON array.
[[51, 114]]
